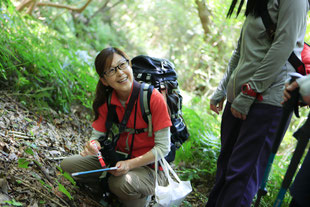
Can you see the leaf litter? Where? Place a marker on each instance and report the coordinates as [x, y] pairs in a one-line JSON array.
[[31, 149]]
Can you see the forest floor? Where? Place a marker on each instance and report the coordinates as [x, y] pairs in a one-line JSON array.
[[32, 146]]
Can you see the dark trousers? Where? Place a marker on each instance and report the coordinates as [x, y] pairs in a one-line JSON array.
[[245, 147]]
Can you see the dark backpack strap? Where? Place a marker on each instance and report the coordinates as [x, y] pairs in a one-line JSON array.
[[111, 117], [270, 30], [297, 64], [269, 25], [132, 100], [133, 135]]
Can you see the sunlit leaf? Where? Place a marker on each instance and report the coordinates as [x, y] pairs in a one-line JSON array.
[[23, 163], [62, 189], [14, 203], [68, 177], [29, 151]]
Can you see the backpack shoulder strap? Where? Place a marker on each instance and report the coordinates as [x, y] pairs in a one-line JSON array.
[[145, 96], [267, 21], [132, 100], [112, 115]]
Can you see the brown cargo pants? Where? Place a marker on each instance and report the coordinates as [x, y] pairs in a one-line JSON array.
[[132, 188]]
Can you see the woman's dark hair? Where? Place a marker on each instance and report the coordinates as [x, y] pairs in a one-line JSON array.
[[102, 62], [255, 7]]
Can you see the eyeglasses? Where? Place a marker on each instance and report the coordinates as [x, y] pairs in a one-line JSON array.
[[112, 71]]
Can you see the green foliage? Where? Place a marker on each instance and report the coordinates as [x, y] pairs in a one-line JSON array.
[[44, 68], [68, 177], [199, 59], [45, 184], [23, 163], [198, 155], [62, 189], [13, 203], [29, 151], [47, 61]]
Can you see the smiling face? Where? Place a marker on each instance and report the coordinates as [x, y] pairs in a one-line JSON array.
[[122, 80]]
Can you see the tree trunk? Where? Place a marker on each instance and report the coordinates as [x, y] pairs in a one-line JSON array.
[[204, 15]]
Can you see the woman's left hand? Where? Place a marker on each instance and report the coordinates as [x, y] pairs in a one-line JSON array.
[[237, 114], [122, 168]]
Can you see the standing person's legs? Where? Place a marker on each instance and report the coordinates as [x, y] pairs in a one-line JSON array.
[[230, 127], [133, 188], [249, 157], [77, 163]]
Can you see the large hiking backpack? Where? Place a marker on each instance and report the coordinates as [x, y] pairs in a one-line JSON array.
[[305, 57], [161, 74]]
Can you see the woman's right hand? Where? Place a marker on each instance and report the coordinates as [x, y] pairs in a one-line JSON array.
[[91, 148], [217, 108]]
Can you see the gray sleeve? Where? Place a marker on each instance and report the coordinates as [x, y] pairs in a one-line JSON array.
[[220, 92], [304, 85], [291, 22], [96, 134], [162, 141]]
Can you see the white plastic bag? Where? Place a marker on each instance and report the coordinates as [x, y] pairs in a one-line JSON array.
[[175, 192]]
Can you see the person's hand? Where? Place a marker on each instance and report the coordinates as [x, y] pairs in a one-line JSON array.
[[237, 114], [122, 168], [91, 149], [292, 87], [289, 88], [217, 108]]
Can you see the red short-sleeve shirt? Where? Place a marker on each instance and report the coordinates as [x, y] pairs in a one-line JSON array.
[[142, 143]]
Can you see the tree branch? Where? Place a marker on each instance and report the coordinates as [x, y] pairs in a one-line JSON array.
[[31, 4], [31, 7], [103, 9], [24, 4], [62, 6]]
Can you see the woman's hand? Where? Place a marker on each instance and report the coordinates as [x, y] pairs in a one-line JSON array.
[[91, 149], [237, 114], [122, 168], [217, 108], [291, 87]]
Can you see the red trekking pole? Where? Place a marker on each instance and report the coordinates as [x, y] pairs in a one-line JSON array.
[[102, 163]]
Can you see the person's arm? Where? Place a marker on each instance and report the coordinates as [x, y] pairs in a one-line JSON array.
[[218, 97], [291, 20], [162, 142]]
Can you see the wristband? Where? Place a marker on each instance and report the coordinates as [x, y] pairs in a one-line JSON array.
[[246, 89]]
